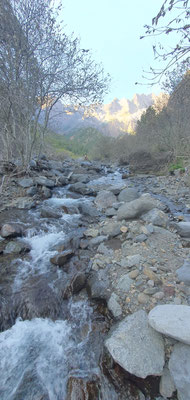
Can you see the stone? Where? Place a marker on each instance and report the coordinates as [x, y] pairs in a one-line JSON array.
[[156, 217], [25, 182], [151, 275], [136, 347], [183, 228], [111, 229], [133, 274], [171, 320], [179, 366], [143, 298], [81, 188], [131, 261], [110, 212], [98, 285], [128, 194], [183, 273], [105, 199], [141, 238], [43, 181], [32, 191], [76, 284], [61, 258], [136, 208], [10, 231], [88, 209], [91, 232], [16, 247], [48, 212], [114, 306], [158, 295], [124, 283], [97, 240], [167, 386], [46, 192]]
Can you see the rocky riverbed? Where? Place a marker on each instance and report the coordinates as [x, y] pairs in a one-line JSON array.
[[94, 284]]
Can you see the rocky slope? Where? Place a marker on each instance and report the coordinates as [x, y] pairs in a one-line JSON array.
[[126, 251]]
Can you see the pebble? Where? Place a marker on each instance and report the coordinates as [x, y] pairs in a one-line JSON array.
[[133, 274], [143, 298]]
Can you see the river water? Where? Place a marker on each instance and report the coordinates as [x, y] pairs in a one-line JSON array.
[[40, 356]]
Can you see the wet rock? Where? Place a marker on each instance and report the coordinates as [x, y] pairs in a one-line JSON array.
[[48, 212], [10, 231], [171, 320], [88, 209], [61, 258], [167, 387], [16, 247], [136, 347], [83, 389], [75, 285], [62, 180], [136, 208], [98, 286], [36, 299], [105, 199], [183, 273], [179, 366], [156, 217], [183, 228], [70, 210], [43, 181], [114, 306], [25, 182], [81, 188], [128, 194]]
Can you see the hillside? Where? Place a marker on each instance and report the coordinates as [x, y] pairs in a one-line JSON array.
[[112, 119]]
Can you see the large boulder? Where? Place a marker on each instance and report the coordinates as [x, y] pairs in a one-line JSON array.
[[171, 320], [128, 194], [179, 366], [136, 347], [136, 208], [105, 199]]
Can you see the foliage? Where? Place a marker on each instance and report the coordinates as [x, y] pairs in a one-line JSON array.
[[173, 78]]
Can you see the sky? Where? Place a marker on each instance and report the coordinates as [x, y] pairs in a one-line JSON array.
[[112, 30]]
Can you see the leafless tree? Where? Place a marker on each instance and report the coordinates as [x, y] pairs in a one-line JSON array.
[[39, 65]]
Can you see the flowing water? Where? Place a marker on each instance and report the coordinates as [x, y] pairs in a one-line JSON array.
[[41, 357]]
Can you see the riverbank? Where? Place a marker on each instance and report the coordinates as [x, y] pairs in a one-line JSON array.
[[77, 231]]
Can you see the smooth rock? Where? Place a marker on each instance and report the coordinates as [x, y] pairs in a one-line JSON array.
[[111, 229], [156, 217], [136, 347], [48, 212], [136, 208], [11, 231], [61, 258], [128, 194], [179, 366], [143, 298], [105, 199], [183, 228], [43, 181], [16, 247], [183, 273], [124, 283], [171, 320], [167, 386]]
